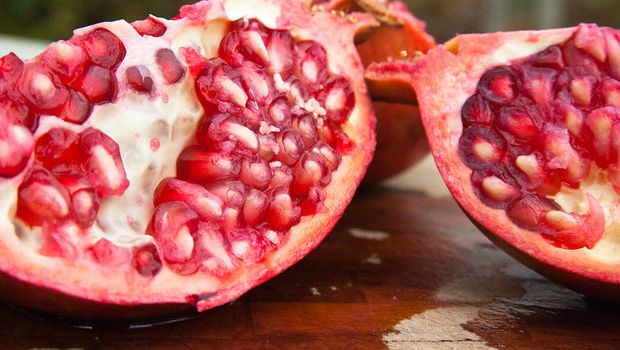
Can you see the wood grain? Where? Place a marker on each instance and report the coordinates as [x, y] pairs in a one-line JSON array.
[[402, 270]]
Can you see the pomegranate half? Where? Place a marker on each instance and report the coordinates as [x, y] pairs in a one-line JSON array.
[[166, 165], [525, 130]]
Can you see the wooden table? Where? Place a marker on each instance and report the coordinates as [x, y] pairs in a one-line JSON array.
[[404, 269]]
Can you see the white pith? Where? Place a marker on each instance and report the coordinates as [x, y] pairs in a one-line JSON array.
[[177, 106]]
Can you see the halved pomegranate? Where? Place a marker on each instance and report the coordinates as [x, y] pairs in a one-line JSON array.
[[166, 165], [401, 37], [525, 130]]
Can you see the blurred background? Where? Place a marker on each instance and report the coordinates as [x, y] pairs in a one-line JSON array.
[[55, 19]]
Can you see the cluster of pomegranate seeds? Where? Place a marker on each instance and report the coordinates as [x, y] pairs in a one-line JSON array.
[[266, 148], [545, 122]]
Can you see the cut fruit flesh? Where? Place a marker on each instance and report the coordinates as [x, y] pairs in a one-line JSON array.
[[534, 163], [123, 226]]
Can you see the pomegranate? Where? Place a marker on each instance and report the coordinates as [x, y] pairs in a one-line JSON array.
[[167, 165], [401, 38], [525, 128]]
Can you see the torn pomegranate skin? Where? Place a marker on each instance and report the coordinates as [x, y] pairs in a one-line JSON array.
[[511, 131], [230, 193]]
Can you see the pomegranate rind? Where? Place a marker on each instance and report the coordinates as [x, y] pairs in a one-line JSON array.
[[82, 290], [443, 80]]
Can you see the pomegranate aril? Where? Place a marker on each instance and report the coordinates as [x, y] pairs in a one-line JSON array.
[[257, 83], [338, 99], [149, 27], [280, 113], [232, 193], [310, 65], [283, 212], [499, 85], [268, 146], [66, 59], [538, 83], [291, 146], [612, 41], [98, 85], [42, 199], [560, 154], [255, 173], [282, 175], [569, 116], [103, 48], [314, 201], [84, 198], [330, 158], [42, 88], [17, 110], [77, 108], [174, 226], [169, 66], [481, 147], [600, 122], [102, 163], [499, 191], [198, 164], [280, 49], [517, 122], [16, 146], [572, 231], [11, 68], [212, 250], [306, 126], [248, 245], [146, 261], [220, 85], [309, 171], [106, 253], [255, 207], [610, 89], [550, 57], [245, 41], [203, 202], [529, 211], [476, 110], [57, 146], [582, 90], [590, 39], [139, 78]]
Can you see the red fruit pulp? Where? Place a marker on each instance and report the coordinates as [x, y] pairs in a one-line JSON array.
[[177, 163], [523, 129]]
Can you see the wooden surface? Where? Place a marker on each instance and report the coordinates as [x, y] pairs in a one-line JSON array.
[[403, 270]]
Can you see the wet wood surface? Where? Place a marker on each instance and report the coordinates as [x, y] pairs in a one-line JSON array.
[[404, 269]]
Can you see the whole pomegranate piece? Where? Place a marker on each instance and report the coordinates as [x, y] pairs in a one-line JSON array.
[[525, 130], [168, 165]]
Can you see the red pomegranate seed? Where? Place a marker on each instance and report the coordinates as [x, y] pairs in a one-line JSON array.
[[600, 122], [280, 113], [309, 171], [102, 163], [200, 165], [16, 146], [612, 41], [139, 78], [550, 57], [560, 154], [146, 261], [282, 175], [314, 201], [481, 147], [11, 68], [517, 122], [538, 83], [174, 226], [77, 108], [203, 202], [338, 98], [103, 48], [17, 110], [231, 192], [149, 27], [42, 199], [245, 41], [255, 173], [42, 88], [98, 85], [499, 85], [329, 157], [223, 128], [291, 146], [590, 39], [106, 253], [280, 48], [213, 251], [66, 59], [306, 126], [169, 66], [529, 211], [257, 83], [311, 65], [84, 198], [220, 85], [249, 245], [476, 110], [57, 146], [255, 207], [282, 213], [569, 116], [611, 92]]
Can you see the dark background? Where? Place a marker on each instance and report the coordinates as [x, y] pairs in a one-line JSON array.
[[55, 19]]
